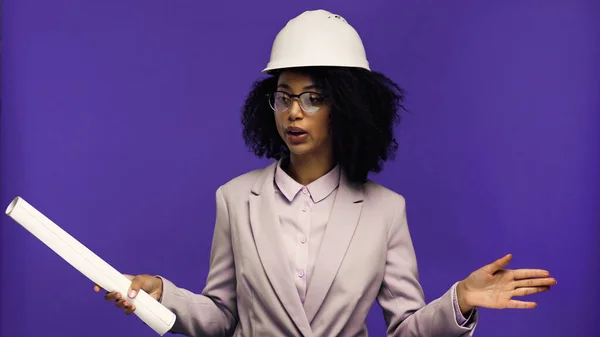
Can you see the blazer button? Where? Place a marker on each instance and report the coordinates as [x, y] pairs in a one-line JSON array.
[[301, 274]]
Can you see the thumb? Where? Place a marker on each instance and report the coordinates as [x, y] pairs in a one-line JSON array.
[[498, 264], [138, 282]]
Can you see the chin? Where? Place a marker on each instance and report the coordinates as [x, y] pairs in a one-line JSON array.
[[300, 149]]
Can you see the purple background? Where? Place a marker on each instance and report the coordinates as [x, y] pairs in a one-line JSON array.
[[120, 119]]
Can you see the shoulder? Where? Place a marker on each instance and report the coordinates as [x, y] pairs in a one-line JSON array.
[[382, 195], [383, 203], [242, 184]]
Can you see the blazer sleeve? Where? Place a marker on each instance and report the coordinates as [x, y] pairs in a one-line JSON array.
[[401, 296], [214, 311]]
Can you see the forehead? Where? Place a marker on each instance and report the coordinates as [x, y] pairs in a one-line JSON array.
[[294, 80]]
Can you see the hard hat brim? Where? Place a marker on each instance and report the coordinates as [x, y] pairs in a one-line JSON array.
[[271, 68]]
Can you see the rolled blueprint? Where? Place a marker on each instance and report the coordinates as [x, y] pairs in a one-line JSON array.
[[149, 310]]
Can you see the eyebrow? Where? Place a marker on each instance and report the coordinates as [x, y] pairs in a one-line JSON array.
[[308, 87]]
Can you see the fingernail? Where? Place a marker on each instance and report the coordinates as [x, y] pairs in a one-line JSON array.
[[132, 294]]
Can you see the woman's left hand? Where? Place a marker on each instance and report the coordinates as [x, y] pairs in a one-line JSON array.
[[494, 287]]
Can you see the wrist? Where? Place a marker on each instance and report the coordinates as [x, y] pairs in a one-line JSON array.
[[462, 295], [158, 288]]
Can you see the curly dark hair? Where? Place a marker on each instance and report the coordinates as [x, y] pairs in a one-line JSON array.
[[364, 110]]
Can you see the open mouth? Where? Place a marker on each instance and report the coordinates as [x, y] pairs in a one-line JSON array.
[[295, 135], [294, 131]]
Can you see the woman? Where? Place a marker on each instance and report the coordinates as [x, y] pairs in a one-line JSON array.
[[305, 246]]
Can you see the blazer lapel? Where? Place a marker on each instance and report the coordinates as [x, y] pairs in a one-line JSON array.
[[266, 229], [338, 234]]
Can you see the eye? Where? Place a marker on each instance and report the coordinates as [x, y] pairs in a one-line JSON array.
[[282, 98], [315, 99]]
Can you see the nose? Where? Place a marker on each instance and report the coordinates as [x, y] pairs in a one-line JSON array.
[[295, 111]]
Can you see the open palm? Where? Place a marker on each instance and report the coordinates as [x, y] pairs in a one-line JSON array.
[[494, 287]]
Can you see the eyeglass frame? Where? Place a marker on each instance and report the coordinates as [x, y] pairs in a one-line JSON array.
[[297, 98]]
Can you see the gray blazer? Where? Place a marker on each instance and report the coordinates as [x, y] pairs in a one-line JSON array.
[[366, 255]]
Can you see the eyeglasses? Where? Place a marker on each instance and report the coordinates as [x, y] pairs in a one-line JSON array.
[[310, 102]]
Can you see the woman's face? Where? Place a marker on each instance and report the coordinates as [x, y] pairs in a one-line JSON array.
[[302, 122]]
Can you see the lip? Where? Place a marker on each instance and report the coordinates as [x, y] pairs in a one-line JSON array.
[[294, 129], [295, 138]]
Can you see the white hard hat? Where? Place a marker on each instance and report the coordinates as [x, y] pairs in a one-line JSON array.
[[317, 38]]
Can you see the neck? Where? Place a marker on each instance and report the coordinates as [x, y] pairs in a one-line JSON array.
[[307, 168]]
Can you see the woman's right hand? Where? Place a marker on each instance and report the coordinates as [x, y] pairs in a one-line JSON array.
[[150, 284]]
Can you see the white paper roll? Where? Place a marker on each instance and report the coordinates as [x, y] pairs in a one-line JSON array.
[[149, 310]]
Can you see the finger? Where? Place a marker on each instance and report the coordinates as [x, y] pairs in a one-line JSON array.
[[137, 283], [112, 296], [513, 304], [97, 288], [535, 282], [130, 309], [530, 273], [121, 303], [498, 264], [144, 282], [529, 291]]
